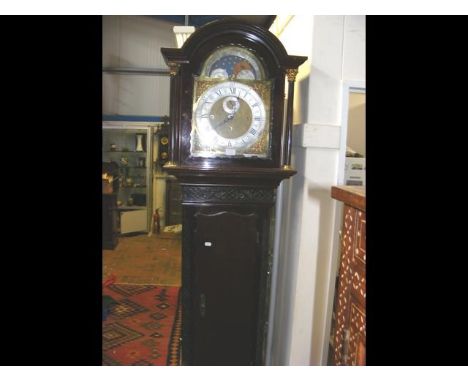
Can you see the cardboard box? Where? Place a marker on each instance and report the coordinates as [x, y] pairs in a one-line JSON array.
[[355, 171]]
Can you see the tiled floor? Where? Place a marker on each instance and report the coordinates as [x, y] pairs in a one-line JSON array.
[[141, 259]]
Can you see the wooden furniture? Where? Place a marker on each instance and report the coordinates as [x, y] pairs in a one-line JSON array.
[[229, 149], [109, 221], [173, 202], [349, 327]]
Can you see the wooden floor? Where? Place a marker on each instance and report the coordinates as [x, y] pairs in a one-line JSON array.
[[141, 259]]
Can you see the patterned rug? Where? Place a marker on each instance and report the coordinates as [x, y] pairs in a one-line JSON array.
[[141, 325]]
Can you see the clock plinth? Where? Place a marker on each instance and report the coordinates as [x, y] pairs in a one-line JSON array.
[[229, 152]]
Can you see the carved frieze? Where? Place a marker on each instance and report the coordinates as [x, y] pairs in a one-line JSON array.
[[203, 194]]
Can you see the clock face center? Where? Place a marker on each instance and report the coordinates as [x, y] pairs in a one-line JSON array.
[[232, 117], [231, 104]]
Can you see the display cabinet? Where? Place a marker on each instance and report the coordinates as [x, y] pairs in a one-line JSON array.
[[130, 148]]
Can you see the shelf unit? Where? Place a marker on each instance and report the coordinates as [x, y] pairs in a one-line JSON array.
[[133, 184]]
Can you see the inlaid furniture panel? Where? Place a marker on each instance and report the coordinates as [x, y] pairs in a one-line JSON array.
[[349, 326]]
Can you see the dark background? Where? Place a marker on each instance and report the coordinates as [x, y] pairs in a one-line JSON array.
[[51, 126]]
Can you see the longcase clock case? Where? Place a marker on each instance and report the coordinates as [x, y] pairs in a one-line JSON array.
[[227, 199]]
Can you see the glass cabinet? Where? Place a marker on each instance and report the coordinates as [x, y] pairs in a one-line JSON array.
[[127, 153]]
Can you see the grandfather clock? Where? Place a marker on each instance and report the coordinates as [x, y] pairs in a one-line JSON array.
[[229, 150]]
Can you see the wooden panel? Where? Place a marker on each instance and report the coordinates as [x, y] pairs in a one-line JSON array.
[[344, 285], [358, 285], [173, 202], [225, 289], [349, 327], [357, 336], [360, 251], [354, 196], [358, 263]]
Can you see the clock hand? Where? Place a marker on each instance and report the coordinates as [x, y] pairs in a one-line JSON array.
[[226, 119]]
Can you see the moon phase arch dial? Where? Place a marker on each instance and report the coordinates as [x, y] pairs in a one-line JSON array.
[[233, 63]]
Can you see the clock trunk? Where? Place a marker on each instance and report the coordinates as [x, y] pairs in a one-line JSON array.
[[226, 272], [226, 266]]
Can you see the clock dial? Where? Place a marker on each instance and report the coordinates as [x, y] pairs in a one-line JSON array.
[[230, 119], [233, 62]]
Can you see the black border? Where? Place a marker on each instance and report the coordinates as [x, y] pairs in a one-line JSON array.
[[51, 236], [51, 262], [416, 288]]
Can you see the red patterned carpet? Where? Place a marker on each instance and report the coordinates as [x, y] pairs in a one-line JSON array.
[[141, 325]]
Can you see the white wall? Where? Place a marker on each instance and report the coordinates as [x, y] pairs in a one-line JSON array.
[[354, 49], [135, 42], [335, 46]]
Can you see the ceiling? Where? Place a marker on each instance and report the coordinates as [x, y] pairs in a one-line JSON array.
[[198, 21]]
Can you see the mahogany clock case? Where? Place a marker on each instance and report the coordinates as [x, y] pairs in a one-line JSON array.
[[227, 204]]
